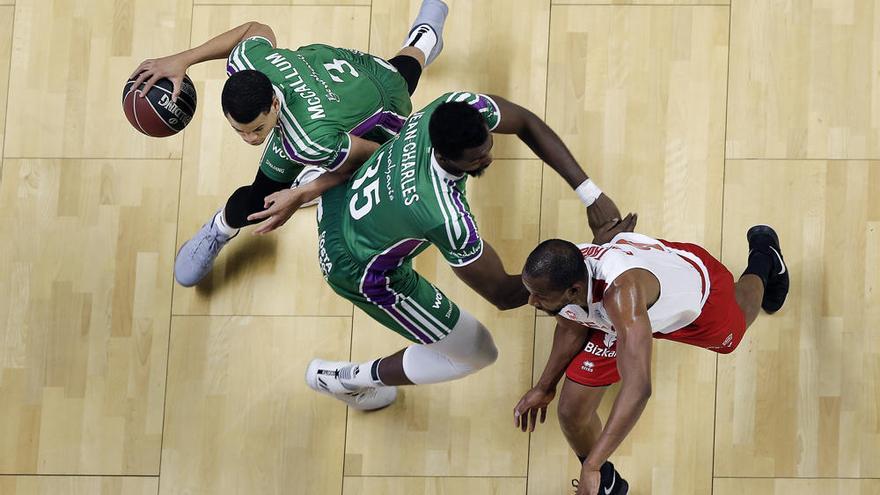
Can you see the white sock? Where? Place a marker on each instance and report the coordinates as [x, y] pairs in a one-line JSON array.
[[222, 226], [422, 37], [358, 376]]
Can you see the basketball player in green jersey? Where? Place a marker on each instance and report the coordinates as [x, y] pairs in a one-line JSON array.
[[321, 108], [409, 195]]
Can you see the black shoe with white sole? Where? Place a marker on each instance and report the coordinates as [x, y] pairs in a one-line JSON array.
[[612, 483], [763, 239]]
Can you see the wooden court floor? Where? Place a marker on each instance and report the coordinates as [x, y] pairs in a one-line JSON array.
[[704, 116]]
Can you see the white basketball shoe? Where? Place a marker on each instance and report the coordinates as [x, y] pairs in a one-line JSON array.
[[323, 376]]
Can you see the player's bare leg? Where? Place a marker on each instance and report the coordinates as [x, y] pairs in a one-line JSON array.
[[749, 293], [581, 426], [577, 415]]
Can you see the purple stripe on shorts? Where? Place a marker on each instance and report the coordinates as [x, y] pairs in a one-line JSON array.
[[472, 229], [375, 283], [409, 326]]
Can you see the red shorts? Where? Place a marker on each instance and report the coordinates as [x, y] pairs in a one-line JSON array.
[[720, 327]]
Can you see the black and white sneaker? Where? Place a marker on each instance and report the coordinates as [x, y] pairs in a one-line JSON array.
[[612, 482], [323, 376], [763, 239]]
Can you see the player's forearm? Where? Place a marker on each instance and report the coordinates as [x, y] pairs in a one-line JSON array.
[[550, 149], [625, 413], [515, 293], [217, 47], [324, 183], [567, 343]]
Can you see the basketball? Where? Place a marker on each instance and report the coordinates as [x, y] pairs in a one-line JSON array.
[[156, 115]]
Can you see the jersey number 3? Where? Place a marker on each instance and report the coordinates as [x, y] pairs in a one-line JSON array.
[[342, 67], [370, 193]]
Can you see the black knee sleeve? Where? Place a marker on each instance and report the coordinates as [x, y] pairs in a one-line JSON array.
[[247, 200], [410, 69]]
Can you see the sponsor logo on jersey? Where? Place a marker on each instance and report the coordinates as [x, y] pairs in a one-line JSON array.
[[323, 258], [588, 366], [596, 350]]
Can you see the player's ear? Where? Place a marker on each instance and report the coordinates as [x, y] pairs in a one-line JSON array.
[[276, 104]]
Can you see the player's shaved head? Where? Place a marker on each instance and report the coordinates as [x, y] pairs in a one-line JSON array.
[[455, 127], [558, 263], [246, 95]]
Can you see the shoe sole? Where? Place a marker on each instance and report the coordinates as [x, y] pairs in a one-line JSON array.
[[763, 229]]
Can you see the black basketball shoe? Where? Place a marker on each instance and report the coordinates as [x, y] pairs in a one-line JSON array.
[[612, 483], [763, 239]]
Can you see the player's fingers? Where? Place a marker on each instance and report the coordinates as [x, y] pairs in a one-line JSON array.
[[140, 68], [152, 80], [266, 227], [177, 83], [543, 414], [259, 215], [141, 77], [516, 416], [533, 417]]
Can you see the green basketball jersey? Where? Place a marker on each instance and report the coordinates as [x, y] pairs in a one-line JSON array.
[[400, 200], [327, 94]]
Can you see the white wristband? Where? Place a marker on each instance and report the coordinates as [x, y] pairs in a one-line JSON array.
[[588, 192]]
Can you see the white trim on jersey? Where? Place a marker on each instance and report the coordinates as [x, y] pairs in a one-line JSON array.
[[441, 203], [703, 269]]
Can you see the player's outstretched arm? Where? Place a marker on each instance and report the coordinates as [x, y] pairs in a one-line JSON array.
[[568, 340], [487, 276], [281, 205], [626, 302], [174, 66], [549, 147]]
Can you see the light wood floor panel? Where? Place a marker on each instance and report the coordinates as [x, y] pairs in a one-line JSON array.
[[85, 294], [70, 61], [77, 485], [433, 486], [799, 398], [670, 449], [804, 80], [643, 113], [323, 3], [642, 2], [240, 418], [490, 46], [736, 486], [463, 428], [216, 162], [6, 16]]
